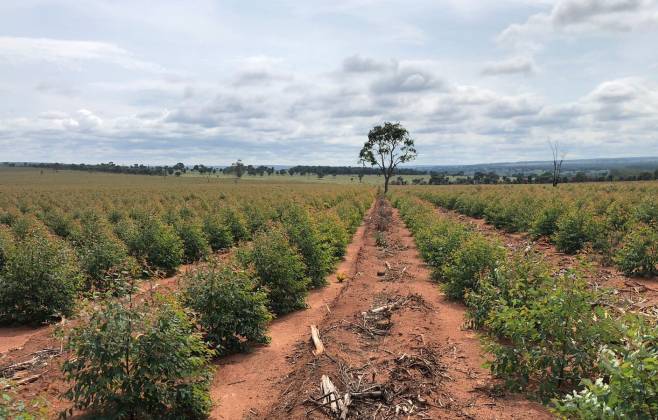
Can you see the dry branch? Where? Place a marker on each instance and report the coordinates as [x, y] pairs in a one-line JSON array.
[[315, 336]]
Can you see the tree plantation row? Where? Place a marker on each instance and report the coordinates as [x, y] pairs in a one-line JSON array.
[[549, 334], [139, 355], [54, 245], [618, 221]]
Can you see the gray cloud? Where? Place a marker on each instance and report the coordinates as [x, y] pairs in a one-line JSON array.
[[358, 64], [406, 79], [514, 65], [573, 12], [584, 16], [302, 83]]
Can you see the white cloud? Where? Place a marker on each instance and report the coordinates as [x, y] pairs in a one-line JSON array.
[[16, 50], [295, 82]]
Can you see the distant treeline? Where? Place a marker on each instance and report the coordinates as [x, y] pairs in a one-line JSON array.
[[444, 178], [136, 169], [347, 170], [435, 177], [139, 169]]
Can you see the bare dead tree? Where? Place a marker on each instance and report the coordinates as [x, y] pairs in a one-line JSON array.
[[558, 158]]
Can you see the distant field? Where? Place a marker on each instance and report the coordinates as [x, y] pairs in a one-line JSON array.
[[49, 177]]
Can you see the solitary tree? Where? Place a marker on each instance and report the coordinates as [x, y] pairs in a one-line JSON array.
[[558, 158], [238, 169], [387, 147]]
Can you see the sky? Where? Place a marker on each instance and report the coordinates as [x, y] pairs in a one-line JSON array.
[[302, 82]]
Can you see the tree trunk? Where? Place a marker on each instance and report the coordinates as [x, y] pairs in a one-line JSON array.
[[386, 178]]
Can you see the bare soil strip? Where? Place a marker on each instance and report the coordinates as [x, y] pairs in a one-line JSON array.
[[393, 342], [245, 384], [640, 294]]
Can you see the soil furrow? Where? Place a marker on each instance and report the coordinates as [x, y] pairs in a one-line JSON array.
[[414, 360]]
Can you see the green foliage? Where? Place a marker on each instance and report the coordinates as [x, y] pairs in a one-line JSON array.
[[639, 252], [27, 225], [628, 387], [219, 235], [647, 210], [39, 281], [550, 337], [159, 244], [280, 268], [142, 362], [232, 311], [388, 146], [545, 222], [510, 213], [257, 214], [512, 283], [438, 242], [195, 244], [60, 223], [574, 229], [548, 333], [333, 236], [475, 257], [303, 234], [101, 254], [7, 243], [11, 407], [236, 223], [351, 213]]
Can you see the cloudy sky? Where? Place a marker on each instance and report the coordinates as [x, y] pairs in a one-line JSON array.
[[302, 81]]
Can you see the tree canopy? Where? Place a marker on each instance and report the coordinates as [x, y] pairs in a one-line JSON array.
[[388, 146]]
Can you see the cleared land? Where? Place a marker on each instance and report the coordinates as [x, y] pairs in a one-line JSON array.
[[409, 302]]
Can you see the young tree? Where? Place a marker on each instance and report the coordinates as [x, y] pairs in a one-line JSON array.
[[387, 147], [558, 158]]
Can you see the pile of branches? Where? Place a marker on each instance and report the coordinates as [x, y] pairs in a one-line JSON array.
[[383, 215], [377, 321], [406, 392], [21, 373], [393, 273]]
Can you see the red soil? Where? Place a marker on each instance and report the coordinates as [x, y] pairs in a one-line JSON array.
[[432, 324], [14, 337], [274, 381], [246, 383]]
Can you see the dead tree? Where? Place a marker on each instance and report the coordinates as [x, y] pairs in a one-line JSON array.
[[558, 158]]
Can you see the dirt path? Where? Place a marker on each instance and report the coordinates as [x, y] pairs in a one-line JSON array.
[[412, 358], [245, 383], [15, 337], [641, 293]]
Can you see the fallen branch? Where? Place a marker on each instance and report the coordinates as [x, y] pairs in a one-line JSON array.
[[332, 398], [315, 336], [388, 307]]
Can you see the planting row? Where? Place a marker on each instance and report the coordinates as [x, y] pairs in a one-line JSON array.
[[619, 221], [131, 358], [550, 335], [50, 254]]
